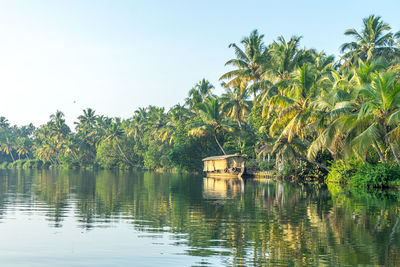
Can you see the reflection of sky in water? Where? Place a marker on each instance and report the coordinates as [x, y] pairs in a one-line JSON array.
[[144, 219], [30, 241]]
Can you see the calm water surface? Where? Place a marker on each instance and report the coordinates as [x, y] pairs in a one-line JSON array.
[[78, 218]]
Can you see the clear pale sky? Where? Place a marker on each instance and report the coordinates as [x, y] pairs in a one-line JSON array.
[[115, 56]]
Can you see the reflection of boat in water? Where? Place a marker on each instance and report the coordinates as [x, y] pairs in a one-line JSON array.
[[224, 166], [220, 188]]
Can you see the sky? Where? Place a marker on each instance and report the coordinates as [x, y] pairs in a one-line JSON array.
[[116, 56]]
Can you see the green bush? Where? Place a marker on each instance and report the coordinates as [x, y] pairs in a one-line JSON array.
[[359, 174], [288, 170], [265, 165], [19, 163], [251, 165], [12, 165], [4, 165], [342, 171], [380, 175]]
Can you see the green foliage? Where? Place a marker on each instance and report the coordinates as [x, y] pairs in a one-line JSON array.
[[380, 175], [4, 165], [359, 174], [155, 157], [265, 165], [33, 164], [107, 155], [252, 165], [342, 171], [289, 170], [307, 170]]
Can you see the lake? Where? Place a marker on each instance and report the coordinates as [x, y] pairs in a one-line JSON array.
[[106, 218]]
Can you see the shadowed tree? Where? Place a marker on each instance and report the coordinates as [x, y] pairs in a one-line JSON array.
[[211, 121], [235, 103]]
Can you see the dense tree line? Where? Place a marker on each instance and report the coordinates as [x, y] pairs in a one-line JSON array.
[[292, 105]]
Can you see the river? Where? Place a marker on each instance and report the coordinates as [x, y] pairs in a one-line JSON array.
[[111, 218]]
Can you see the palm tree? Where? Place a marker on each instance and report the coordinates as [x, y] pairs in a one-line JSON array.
[[382, 100], [211, 121], [4, 122], [293, 105], [157, 119], [363, 118], [235, 103], [114, 134], [248, 63], [286, 57], [8, 146], [48, 151], [58, 126], [296, 118], [86, 136], [199, 92], [333, 108], [176, 116], [87, 120], [23, 147], [375, 39]]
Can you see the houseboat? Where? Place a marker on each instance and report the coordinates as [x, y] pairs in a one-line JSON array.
[[224, 166]]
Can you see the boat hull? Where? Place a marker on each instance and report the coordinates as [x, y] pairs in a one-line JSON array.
[[224, 175]]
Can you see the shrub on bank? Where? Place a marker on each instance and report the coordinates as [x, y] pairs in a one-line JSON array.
[[18, 164], [381, 175], [266, 165], [359, 174], [4, 165], [252, 165], [342, 171]]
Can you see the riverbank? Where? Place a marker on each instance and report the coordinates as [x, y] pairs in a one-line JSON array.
[[353, 172]]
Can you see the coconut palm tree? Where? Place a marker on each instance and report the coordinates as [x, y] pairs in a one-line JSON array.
[[248, 63], [382, 100], [293, 105], [374, 40], [211, 121], [113, 134], [177, 115], [199, 92], [8, 146], [286, 57], [23, 147], [235, 103], [58, 126], [4, 122], [87, 120], [363, 118]]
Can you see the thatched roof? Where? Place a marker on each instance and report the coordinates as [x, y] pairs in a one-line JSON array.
[[223, 157]]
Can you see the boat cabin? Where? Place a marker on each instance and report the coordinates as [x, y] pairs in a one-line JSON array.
[[224, 166]]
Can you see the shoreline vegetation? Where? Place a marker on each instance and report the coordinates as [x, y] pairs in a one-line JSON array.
[[290, 110]]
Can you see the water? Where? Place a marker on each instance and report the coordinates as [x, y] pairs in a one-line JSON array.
[[84, 218]]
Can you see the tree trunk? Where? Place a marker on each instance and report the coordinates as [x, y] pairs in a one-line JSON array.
[[12, 157], [396, 155], [120, 150], [216, 140], [378, 150]]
